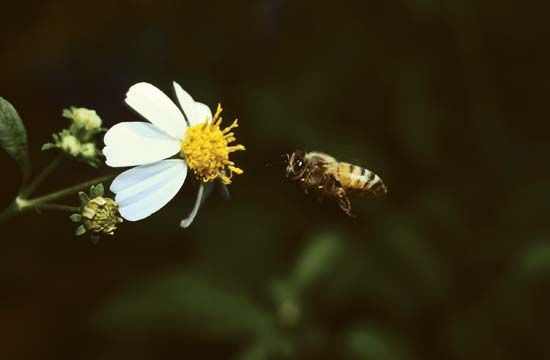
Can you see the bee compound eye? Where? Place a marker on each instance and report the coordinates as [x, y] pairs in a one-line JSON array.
[[298, 165]]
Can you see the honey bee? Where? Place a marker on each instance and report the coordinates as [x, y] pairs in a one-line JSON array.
[[325, 176]]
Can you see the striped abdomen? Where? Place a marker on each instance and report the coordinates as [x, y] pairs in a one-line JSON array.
[[360, 180]]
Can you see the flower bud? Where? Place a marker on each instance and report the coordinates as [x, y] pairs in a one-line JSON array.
[[88, 150], [85, 117], [69, 144], [100, 215]]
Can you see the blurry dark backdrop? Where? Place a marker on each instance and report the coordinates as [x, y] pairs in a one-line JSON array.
[[445, 99]]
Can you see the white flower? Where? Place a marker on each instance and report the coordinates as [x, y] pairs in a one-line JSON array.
[[195, 137]]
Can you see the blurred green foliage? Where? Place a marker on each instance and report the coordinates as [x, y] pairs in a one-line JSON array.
[[445, 100]]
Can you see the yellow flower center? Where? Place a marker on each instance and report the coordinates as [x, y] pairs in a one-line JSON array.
[[206, 150]]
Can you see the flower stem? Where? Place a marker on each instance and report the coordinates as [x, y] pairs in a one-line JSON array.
[[60, 207], [42, 176], [20, 204], [64, 192]]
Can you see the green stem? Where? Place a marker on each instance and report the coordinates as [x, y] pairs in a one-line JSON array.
[[57, 207], [65, 192], [9, 212], [20, 204], [42, 176]]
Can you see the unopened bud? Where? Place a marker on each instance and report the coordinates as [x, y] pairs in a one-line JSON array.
[[88, 150], [100, 215], [84, 117], [69, 144]]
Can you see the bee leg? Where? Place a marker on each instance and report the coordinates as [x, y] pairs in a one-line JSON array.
[[340, 192], [343, 202], [345, 205]]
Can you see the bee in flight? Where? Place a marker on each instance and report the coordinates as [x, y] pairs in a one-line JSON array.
[[323, 175]]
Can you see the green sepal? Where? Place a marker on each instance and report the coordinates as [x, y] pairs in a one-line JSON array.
[[76, 217], [48, 146], [84, 198], [80, 230], [96, 190], [68, 113]]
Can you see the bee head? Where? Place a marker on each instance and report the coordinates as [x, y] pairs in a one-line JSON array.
[[295, 164]]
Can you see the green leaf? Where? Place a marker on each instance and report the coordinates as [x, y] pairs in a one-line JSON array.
[[13, 137], [316, 260], [76, 217], [80, 230], [536, 260], [180, 300]]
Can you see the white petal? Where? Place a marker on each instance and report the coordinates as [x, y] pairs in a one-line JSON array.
[[137, 143], [185, 100], [145, 189], [201, 113], [155, 106], [195, 112], [185, 223]]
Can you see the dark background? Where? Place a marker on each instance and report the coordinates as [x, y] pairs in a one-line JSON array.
[[445, 100]]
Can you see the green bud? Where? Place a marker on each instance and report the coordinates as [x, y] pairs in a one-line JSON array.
[[69, 144], [78, 139], [86, 118], [88, 150]]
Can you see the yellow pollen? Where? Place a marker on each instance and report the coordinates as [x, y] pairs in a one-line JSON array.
[[206, 150]]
